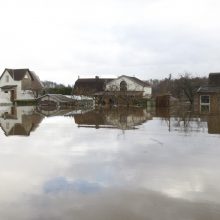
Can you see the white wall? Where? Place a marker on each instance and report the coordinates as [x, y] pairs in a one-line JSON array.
[[21, 94], [147, 91], [114, 85]]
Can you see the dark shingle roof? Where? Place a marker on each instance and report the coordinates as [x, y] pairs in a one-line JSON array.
[[18, 74], [90, 85], [36, 83], [209, 89]]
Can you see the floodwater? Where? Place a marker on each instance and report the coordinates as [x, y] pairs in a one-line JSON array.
[[119, 164]]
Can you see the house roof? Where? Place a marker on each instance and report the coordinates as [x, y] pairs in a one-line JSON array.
[[36, 83], [18, 74], [58, 97], [94, 85], [138, 81], [90, 85], [209, 89]]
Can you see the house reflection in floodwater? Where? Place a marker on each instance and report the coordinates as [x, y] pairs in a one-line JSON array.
[[20, 120], [50, 111], [186, 121], [214, 124], [121, 118]]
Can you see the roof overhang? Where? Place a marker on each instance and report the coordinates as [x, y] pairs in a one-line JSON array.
[[8, 87]]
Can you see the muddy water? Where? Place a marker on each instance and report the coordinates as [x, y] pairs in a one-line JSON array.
[[105, 165]]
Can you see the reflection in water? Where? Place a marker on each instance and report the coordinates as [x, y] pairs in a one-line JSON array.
[[186, 121], [19, 120], [214, 124], [121, 118], [62, 172], [23, 120], [51, 111], [61, 184]]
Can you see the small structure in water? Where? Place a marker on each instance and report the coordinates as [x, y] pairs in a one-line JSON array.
[[55, 100]]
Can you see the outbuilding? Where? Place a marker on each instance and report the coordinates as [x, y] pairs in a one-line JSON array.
[[55, 100]]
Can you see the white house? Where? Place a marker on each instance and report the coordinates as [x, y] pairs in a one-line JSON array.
[[19, 84], [129, 84]]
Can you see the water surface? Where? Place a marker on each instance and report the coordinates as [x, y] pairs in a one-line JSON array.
[[120, 164]]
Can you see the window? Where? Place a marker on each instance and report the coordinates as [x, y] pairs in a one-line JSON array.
[[123, 86], [6, 91], [7, 78], [205, 103]]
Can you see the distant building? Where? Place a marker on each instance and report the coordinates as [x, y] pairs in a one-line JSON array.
[[90, 86], [113, 91], [207, 98], [19, 85]]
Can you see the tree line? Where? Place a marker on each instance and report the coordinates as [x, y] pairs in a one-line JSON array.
[[184, 87], [56, 88]]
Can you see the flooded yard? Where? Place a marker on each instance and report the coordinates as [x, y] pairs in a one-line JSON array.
[[119, 164]]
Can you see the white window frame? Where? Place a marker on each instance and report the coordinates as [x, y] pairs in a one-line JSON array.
[[204, 104]]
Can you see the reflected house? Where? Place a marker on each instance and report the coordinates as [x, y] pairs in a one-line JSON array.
[[214, 124], [50, 111], [20, 120], [123, 90], [120, 118], [19, 85], [207, 98], [54, 104]]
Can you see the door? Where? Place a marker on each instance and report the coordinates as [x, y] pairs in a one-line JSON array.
[[13, 95]]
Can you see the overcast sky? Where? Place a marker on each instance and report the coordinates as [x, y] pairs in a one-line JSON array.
[[63, 39]]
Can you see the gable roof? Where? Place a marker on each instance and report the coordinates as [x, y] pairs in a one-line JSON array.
[[36, 83], [209, 89], [19, 74], [90, 85], [138, 81], [213, 84], [135, 80]]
